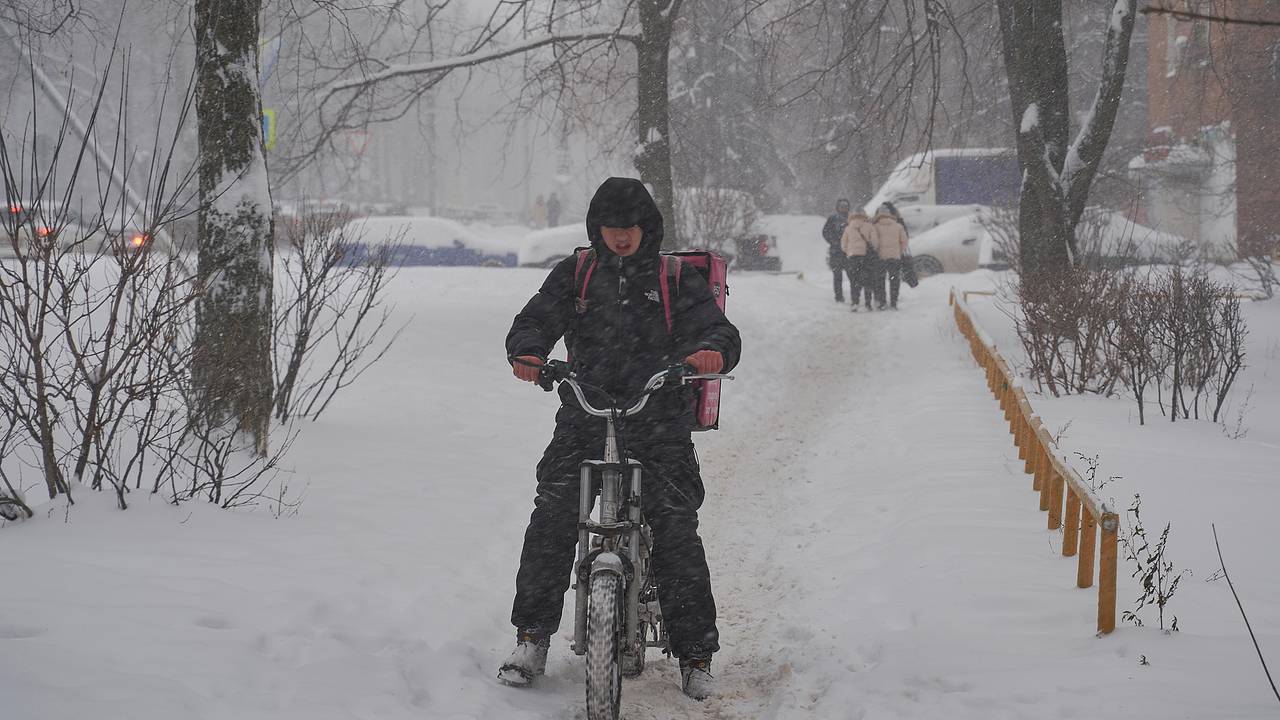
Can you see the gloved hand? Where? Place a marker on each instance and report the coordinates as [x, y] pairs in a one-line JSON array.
[[529, 372], [706, 362]]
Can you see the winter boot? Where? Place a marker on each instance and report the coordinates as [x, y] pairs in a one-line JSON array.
[[695, 678], [528, 660]]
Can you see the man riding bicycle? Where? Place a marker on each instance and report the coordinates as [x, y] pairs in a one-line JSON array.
[[614, 322]]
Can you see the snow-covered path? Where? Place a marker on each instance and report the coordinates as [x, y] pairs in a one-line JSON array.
[[875, 550]]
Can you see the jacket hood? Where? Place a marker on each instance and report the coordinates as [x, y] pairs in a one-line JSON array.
[[624, 202], [884, 216]]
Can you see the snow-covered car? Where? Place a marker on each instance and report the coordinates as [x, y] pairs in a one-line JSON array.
[[922, 218], [951, 247], [1103, 238], [545, 248], [418, 240], [988, 238]]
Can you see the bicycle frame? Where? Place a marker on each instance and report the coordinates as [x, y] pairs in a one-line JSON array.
[[623, 546]]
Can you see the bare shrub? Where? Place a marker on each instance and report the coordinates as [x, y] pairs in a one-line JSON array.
[[1092, 329], [97, 320], [1258, 276], [1140, 361], [712, 218], [1066, 327], [330, 318], [1201, 331]]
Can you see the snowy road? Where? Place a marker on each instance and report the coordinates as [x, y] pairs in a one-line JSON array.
[[873, 543]]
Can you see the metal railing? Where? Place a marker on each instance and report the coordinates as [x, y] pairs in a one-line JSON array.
[[1071, 504]]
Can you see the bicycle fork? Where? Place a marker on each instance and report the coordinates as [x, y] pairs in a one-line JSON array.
[[620, 542]]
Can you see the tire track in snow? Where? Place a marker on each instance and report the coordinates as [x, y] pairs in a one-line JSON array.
[[804, 373]]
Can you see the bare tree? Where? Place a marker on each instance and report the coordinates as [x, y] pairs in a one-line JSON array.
[[1057, 171], [232, 363], [646, 25]]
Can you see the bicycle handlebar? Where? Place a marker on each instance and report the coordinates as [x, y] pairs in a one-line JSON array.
[[554, 371]]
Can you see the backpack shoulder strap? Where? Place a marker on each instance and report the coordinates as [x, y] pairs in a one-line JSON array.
[[586, 257], [669, 274]]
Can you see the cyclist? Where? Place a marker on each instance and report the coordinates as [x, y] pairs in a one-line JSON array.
[[612, 317]]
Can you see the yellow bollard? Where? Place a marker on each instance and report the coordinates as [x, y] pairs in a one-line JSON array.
[[1071, 532], [1107, 573], [1088, 537], [1030, 440], [1043, 467], [1055, 500], [1046, 488]]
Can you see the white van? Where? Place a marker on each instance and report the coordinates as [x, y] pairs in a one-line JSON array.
[[932, 187]]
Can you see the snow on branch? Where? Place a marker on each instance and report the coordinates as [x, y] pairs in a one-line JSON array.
[[444, 65], [1085, 153]]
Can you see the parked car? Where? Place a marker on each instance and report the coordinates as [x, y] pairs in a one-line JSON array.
[[545, 248], [951, 247], [922, 218], [757, 252], [989, 239], [419, 240]]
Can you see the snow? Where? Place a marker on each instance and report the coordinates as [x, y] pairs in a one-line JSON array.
[[432, 232], [544, 246], [1030, 118], [875, 546], [1119, 12]]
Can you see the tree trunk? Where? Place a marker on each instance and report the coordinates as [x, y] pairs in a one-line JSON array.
[[231, 368], [1056, 172], [1036, 62], [653, 152]]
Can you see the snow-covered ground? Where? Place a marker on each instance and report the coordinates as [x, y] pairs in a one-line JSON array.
[[875, 547]]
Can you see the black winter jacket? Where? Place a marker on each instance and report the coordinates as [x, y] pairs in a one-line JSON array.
[[833, 230], [618, 338]]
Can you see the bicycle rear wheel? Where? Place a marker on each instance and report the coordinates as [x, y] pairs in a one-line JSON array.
[[604, 626]]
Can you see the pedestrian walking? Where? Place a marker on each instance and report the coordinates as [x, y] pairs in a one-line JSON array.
[[857, 240], [891, 245], [832, 231], [553, 211]]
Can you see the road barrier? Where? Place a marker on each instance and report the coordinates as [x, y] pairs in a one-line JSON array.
[[1056, 481]]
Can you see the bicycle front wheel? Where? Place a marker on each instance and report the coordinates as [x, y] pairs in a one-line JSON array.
[[604, 626]]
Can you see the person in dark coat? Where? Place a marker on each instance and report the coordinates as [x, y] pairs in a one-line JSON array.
[[618, 338], [832, 231], [553, 211]]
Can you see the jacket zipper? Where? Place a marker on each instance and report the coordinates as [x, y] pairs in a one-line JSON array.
[[622, 288]]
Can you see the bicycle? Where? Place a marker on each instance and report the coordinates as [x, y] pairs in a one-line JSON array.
[[616, 616]]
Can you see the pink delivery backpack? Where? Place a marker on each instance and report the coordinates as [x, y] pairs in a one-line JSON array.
[[714, 269]]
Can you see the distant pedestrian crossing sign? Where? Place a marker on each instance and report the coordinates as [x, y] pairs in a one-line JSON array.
[[268, 128]]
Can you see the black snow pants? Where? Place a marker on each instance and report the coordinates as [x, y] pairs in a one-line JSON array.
[[858, 279], [893, 269], [836, 261], [875, 279], [671, 493]]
